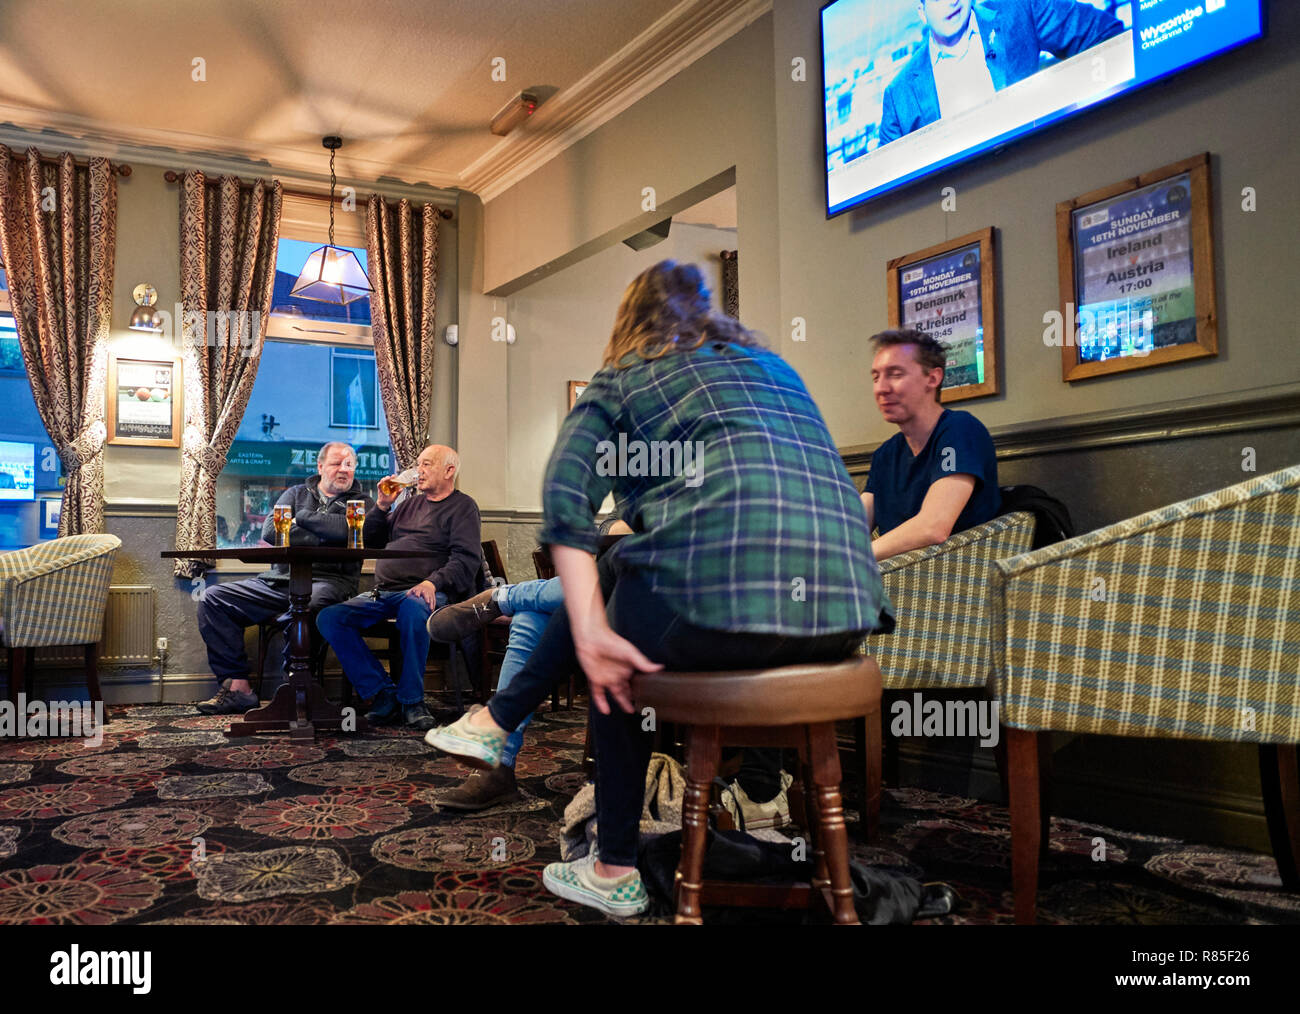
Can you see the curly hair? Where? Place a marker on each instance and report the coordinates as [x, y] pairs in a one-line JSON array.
[[666, 309]]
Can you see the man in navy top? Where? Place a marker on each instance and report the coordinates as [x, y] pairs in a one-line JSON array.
[[939, 473]]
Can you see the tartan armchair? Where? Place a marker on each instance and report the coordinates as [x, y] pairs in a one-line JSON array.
[[1179, 623], [943, 637], [54, 594]]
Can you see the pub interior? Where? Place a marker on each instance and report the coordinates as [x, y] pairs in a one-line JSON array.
[[889, 452]]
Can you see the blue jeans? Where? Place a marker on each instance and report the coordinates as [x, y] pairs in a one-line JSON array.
[[342, 624], [529, 604]]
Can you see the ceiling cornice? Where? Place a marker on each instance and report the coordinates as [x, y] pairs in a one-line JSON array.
[[671, 44], [21, 127], [675, 41]]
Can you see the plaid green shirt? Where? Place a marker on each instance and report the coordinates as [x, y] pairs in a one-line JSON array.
[[746, 518]]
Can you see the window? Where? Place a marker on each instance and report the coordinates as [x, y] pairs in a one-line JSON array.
[[316, 383], [31, 474]]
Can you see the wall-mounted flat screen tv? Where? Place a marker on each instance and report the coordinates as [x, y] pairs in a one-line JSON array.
[[914, 86], [17, 470]]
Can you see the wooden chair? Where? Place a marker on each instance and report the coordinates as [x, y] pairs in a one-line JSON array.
[[54, 594], [492, 639], [1194, 635], [794, 706], [545, 567]]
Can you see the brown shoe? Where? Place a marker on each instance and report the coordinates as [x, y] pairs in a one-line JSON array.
[[481, 790], [455, 623]]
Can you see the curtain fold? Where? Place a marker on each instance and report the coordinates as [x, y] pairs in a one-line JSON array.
[[228, 247], [403, 256], [58, 231]]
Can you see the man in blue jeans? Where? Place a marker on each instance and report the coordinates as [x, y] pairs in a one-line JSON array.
[[440, 520], [529, 606]]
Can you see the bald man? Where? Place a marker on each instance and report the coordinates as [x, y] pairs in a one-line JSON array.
[[434, 517]]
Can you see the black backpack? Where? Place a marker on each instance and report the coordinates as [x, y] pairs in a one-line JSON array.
[[1052, 517]]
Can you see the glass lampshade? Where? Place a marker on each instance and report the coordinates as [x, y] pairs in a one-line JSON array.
[[332, 275]]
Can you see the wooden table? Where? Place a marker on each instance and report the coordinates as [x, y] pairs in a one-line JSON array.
[[300, 705]]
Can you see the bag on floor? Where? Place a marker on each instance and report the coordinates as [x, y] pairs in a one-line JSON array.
[[881, 895]]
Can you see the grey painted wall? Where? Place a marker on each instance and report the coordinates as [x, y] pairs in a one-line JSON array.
[[563, 323], [1240, 107]]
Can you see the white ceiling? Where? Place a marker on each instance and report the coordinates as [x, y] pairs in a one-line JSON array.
[[408, 84]]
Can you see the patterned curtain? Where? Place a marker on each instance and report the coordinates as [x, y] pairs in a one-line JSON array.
[[228, 246], [58, 231], [730, 282], [403, 257]]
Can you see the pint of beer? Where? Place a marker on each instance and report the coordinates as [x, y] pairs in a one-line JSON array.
[[282, 518], [356, 513], [391, 485]]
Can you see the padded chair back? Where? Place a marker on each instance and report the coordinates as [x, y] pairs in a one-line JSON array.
[[1178, 623], [943, 635], [55, 593]]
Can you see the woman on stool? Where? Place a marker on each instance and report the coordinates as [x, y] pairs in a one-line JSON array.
[[751, 547]]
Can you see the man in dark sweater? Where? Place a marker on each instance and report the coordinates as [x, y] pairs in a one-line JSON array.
[[320, 519], [434, 517]]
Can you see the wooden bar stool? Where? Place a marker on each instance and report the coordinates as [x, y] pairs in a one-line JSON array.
[[795, 705]]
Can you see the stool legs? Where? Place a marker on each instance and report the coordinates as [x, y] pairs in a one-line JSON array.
[[832, 836], [703, 750]]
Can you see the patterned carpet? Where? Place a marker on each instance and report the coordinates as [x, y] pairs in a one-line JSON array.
[[345, 831]]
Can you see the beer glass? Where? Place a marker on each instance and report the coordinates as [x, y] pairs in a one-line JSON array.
[[356, 513], [282, 519], [391, 485]]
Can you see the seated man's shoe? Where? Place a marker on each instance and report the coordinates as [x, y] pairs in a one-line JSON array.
[[228, 702], [385, 709], [481, 790], [577, 881], [454, 623], [479, 748], [416, 716]]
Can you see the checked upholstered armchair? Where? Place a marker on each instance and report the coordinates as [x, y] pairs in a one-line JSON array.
[[943, 637], [1180, 623], [54, 594]]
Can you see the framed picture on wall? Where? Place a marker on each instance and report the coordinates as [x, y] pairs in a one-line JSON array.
[[948, 291], [1136, 263], [576, 387], [144, 401], [353, 390]]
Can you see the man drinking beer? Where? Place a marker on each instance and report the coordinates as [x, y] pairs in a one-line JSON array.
[[315, 511]]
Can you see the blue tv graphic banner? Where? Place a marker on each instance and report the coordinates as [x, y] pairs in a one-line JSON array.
[[1170, 34], [941, 297]]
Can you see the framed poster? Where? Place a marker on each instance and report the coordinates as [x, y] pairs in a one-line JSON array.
[[1136, 264], [948, 291], [576, 387], [144, 401], [353, 390], [51, 510]]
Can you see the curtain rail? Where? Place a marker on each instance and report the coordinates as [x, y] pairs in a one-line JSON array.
[[174, 176]]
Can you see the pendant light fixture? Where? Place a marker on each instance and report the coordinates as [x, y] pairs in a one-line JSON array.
[[332, 274]]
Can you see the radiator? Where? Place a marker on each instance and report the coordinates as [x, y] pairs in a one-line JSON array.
[[128, 638]]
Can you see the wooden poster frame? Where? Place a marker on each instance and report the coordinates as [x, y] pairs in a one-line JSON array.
[[986, 238], [1203, 273]]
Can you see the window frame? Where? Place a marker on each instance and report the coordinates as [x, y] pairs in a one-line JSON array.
[[284, 327]]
